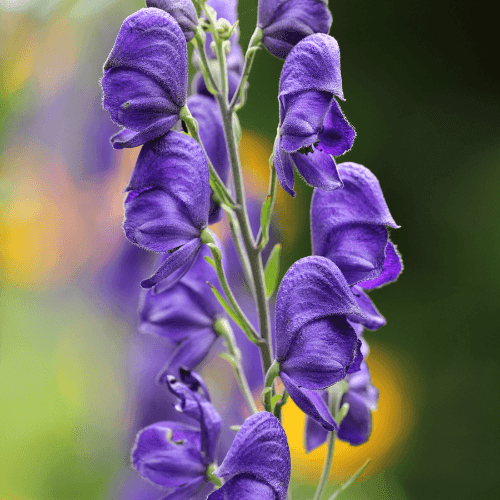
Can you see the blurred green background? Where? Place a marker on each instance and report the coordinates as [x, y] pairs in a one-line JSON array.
[[421, 83]]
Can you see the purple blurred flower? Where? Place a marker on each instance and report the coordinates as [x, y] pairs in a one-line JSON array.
[[312, 126], [286, 22], [175, 455], [182, 11], [167, 204], [184, 314], [145, 77], [356, 426], [207, 113], [316, 345], [258, 462], [349, 227]]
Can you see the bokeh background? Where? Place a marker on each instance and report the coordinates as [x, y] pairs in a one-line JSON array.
[[422, 89]]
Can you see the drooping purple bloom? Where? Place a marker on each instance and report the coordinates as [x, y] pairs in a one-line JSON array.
[[207, 113], [312, 127], [258, 462], [356, 426], [175, 455], [286, 22], [184, 314], [145, 77], [167, 204], [182, 11], [349, 227], [315, 343]]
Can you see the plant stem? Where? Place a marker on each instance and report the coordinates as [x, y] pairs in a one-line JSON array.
[[247, 66], [273, 184], [223, 328]]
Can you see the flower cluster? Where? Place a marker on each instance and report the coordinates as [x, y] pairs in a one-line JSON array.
[[187, 177]]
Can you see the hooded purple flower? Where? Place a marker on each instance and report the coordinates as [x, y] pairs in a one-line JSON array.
[[145, 77], [258, 462], [182, 11], [349, 227], [316, 345], [175, 455], [356, 426], [286, 22], [167, 204], [184, 314], [207, 113], [312, 127]]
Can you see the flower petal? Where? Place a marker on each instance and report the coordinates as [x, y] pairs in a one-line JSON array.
[[318, 169], [260, 449], [310, 402], [301, 118], [338, 135], [391, 269], [321, 353], [165, 460], [314, 435], [313, 288], [182, 11], [177, 165], [207, 113], [244, 487], [287, 22], [313, 64], [372, 319], [284, 168], [179, 260]]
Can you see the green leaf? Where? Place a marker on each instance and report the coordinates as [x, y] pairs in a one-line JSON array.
[[265, 220], [274, 400], [272, 271], [264, 393], [210, 261], [230, 359], [226, 306], [350, 481]]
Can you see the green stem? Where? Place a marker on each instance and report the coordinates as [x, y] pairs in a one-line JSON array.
[[254, 255], [240, 92], [247, 327], [199, 43], [223, 328], [335, 394], [234, 227], [262, 238]]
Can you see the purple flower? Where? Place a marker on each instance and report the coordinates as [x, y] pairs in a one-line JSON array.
[[184, 314], [349, 227], [258, 462], [286, 22], [356, 426], [175, 455], [182, 11], [312, 127], [315, 343], [167, 204], [145, 77], [207, 113]]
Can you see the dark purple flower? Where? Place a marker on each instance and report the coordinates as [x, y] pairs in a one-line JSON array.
[[356, 426], [184, 314], [349, 227], [167, 204], [315, 343], [312, 127], [286, 22], [145, 77], [258, 462], [175, 455], [182, 11], [207, 113]]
